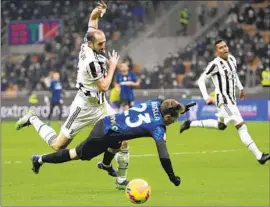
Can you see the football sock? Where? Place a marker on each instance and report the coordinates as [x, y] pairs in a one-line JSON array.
[[107, 159], [247, 140], [208, 123], [45, 132], [122, 159], [57, 157]]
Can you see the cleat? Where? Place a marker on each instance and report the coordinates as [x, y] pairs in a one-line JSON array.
[[24, 121], [264, 158], [185, 126], [111, 171], [121, 186], [35, 164]]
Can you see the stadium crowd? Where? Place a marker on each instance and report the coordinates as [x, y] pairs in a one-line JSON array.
[[245, 28]]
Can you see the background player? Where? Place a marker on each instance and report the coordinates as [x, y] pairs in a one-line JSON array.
[[94, 77], [127, 81], [222, 71], [56, 97], [148, 119]]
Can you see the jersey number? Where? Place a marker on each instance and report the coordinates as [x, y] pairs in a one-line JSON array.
[[142, 118]]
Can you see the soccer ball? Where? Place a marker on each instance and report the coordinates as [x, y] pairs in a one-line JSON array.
[[138, 191]]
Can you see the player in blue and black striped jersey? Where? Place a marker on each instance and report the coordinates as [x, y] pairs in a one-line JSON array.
[[148, 119]]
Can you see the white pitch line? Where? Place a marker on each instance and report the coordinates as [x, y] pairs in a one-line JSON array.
[[154, 155], [190, 153]]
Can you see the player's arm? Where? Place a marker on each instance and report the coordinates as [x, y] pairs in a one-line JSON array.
[[238, 82], [104, 83], [98, 12], [166, 162], [159, 135], [209, 71], [240, 87], [136, 82]]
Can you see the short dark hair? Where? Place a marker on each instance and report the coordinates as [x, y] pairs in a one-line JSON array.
[[218, 41]]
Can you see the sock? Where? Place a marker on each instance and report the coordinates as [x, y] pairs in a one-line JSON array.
[[57, 157], [248, 141], [122, 159], [45, 132], [208, 123], [107, 158]]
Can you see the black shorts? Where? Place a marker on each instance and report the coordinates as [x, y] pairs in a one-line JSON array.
[[54, 104], [124, 102], [96, 143]]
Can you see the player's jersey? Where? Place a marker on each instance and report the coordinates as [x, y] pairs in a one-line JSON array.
[[126, 92], [224, 76], [91, 67], [142, 120], [56, 90]]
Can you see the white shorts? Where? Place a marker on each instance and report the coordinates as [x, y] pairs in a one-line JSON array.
[[82, 114], [229, 113]]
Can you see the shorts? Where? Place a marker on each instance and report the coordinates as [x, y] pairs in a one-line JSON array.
[[83, 115], [229, 113], [124, 102], [96, 143]]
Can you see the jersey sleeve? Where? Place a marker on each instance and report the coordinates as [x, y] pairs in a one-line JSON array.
[[133, 77], [94, 70], [159, 134], [210, 69]]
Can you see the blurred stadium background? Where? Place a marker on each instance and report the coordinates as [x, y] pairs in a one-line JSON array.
[[166, 44]]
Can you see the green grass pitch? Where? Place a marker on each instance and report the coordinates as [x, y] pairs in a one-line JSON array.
[[215, 167]]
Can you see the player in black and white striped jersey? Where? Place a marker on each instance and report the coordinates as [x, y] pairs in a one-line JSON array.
[[94, 77], [222, 71]]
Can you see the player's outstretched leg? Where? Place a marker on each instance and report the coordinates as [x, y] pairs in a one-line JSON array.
[[35, 163], [122, 158], [251, 145], [208, 123], [106, 164], [45, 132]]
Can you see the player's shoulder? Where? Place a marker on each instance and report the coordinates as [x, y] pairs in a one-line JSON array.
[[230, 56]]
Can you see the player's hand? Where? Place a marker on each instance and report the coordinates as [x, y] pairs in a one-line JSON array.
[[176, 180], [210, 101], [100, 10], [102, 7], [242, 94], [188, 106], [113, 59]]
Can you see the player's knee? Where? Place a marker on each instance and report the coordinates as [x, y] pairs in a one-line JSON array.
[[221, 126], [238, 126], [124, 145], [59, 143]]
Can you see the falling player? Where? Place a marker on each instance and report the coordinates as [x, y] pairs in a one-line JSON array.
[[148, 119]]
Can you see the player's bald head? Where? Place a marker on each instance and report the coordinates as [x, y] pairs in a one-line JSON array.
[[96, 35], [97, 41]]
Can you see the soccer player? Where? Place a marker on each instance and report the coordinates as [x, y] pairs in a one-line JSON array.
[[222, 71], [94, 77], [148, 119], [127, 80], [56, 98]]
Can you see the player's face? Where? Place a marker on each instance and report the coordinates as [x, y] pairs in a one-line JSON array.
[[222, 50], [169, 119], [124, 69], [99, 46]]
